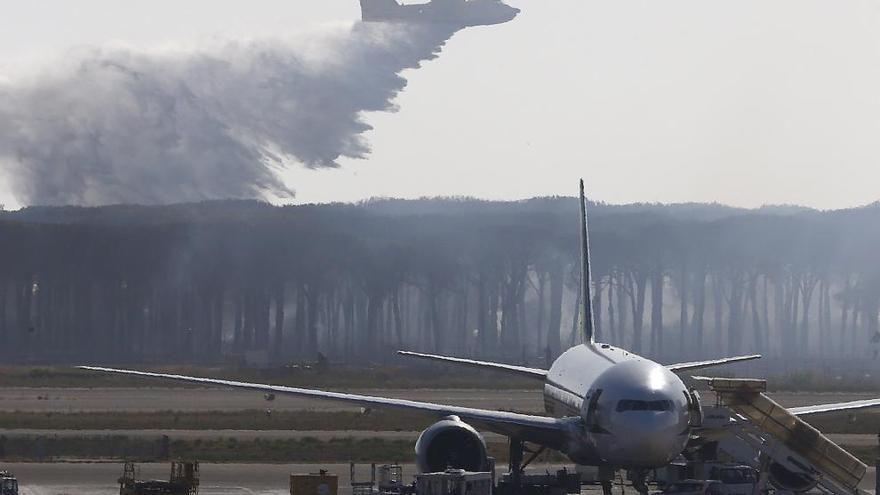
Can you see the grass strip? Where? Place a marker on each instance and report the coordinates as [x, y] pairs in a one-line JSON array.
[[48, 448], [254, 419]]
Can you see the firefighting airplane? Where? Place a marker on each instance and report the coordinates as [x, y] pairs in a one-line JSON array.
[[461, 13], [605, 406]]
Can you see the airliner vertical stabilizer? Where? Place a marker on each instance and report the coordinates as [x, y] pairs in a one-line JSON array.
[[586, 309]]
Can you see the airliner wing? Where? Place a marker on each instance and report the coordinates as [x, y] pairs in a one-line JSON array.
[[551, 432], [696, 365], [854, 406], [535, 373]]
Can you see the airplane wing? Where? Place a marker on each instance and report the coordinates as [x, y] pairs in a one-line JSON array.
[[535, 373], [696, 365], [840, 407], [551, 432]]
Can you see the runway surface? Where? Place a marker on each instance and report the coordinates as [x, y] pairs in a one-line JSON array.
[[180, 399], [170, 399]]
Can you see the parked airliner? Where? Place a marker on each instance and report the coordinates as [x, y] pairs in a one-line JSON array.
[[605, 406]]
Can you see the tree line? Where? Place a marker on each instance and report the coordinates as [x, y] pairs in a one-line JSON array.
[[230, 280]]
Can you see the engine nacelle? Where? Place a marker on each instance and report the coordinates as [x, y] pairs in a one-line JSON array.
[[451, 444], [797, 481]]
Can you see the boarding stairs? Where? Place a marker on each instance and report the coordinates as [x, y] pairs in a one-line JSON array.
[[768, 433]]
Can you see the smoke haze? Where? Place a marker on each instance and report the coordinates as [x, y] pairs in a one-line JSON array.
[[113, 125]]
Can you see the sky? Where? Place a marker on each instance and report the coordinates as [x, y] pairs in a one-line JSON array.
[[747, 103]]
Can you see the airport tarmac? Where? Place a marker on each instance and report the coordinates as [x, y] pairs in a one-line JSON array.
[[216, 399], [216, 479], [845, 439], [100, 478]]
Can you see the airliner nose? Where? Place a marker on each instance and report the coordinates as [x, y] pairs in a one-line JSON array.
[[646, 438], [640, 412]]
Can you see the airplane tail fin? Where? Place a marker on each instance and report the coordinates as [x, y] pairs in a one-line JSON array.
[[586, 309]]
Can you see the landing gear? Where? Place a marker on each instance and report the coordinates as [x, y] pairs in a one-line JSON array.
[[515, 454], [640, 481], [606, 478], [518, 483]]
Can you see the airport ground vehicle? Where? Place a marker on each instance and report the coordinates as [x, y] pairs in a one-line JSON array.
[[8, 483], [694, 487], [184, 480], [735, 479]]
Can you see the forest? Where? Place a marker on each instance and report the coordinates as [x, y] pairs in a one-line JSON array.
[[230, 281]]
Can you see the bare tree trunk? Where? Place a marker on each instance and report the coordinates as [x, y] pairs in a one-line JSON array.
[[541, 293], [434, 315], [597, 303], [789, 315], [238, 315], [512, 294], [844, 316], [557, 280], [261, 320], [349, 311], [808, 285], [398, 321], [657, 283], [612, 317], [779, 311], [640, 280], [683, 294], [699, 308], [573, 337], [855, 329], [765, 313], [299, 321], [312, 315], [23, 312], [827, 346], [735, 305], [795, 305], [278, 345], [3, 296], [218, 322], [872, 312], [756, 317], [374, 308], [820, 309], [464, 300], [718, 308], [482, 315], [621, 306], [249, 315]]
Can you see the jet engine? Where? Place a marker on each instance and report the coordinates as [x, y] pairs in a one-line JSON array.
[[797, 481], [451, 444]]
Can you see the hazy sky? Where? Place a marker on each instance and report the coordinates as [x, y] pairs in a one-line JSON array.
[[744, 102]]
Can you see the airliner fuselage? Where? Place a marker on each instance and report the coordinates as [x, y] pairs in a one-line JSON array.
[[636, 413]]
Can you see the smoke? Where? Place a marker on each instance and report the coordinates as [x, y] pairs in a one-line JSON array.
[[113, 125]]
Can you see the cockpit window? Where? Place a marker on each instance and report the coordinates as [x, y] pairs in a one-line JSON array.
[[644, 405]]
